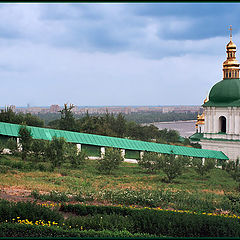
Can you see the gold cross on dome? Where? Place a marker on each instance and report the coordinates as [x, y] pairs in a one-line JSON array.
[[230, 32]]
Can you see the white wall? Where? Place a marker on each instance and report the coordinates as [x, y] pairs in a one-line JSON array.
[[230, 148], [212, 125]]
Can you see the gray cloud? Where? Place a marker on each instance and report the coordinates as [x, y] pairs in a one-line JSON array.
[[112, 54]]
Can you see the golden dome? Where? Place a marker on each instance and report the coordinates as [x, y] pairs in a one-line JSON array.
[[231, 65], [231, 45]]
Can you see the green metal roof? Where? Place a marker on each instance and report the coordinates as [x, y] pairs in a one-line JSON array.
[[9, 129], [196, 137]]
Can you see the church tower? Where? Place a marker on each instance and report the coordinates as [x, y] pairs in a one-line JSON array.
[[220, 125]]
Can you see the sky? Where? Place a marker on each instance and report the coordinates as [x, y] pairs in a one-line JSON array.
[[113, 54]]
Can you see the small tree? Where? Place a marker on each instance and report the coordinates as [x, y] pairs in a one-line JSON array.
[[12, 146], [173, 166], [25, 138], [73, 156], [67, 121], [202, 168], [150, 161], [38, 149], [55, 151], [233, 168], [110, 161]]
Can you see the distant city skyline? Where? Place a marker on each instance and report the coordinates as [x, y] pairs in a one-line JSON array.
[[104, 109], [113, 54]]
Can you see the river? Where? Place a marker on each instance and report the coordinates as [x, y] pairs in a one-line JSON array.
[[185, 128]]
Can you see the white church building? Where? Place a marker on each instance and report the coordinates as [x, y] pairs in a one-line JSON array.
[[218, 128]]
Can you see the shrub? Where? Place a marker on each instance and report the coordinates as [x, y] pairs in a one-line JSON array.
[[73, 156], [233, 168], [98, 222], [173, 166], [27, 210], [150, 161], [160, 222], [234, 199], [44, 166], [110, 161], [12, 146], [19, 230], [25, 138], [55, 151], [202, 168], [4, 169], [52, 196], [1, 147], [38, 149]]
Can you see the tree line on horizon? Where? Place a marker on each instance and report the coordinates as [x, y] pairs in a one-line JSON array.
[[106, 124]]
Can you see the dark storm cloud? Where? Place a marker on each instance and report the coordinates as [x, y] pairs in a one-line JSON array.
[[207, 19]]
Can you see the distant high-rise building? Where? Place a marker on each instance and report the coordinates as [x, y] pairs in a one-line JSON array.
[[54, 108]]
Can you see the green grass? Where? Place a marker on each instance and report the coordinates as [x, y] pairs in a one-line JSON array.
[[129, 175], [87, 180]]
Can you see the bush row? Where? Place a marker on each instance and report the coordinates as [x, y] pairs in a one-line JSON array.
[[20, 230], [157, 222], [27, 210], [9, 164]]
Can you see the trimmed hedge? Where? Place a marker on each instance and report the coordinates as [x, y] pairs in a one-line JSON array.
[[27, 210], [20, 230], [164, 223]]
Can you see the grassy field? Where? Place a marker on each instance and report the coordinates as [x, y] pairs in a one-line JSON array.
[[187, 191], [129, 175]]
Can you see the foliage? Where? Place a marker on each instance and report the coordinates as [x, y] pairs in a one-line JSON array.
[[203, 167], [98, 222], [112, 125], [234, 200], [9, 116], [233, 168], [27, 210], [111, 161], [155, 221], [55, 151], [20, 230], [2, 146], [173, 166], [150, 161], [165, 199], [25, 139], [38, 149], [75, 157], [12, 146], [67, 121], [52, 196]]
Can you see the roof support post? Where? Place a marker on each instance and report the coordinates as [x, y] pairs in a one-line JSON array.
[[19, 145], [79, 147], [102, 152], [203, 161], [123, 153]]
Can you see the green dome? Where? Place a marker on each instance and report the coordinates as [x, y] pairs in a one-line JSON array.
[[225, 91]]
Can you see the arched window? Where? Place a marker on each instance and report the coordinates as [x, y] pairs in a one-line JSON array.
[[222, 124]]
